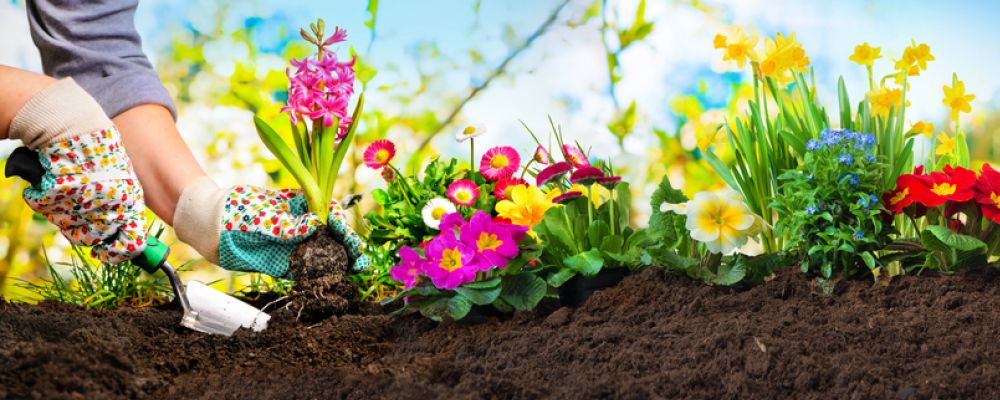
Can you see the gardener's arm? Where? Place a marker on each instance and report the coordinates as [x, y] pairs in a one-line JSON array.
[[95, 43]]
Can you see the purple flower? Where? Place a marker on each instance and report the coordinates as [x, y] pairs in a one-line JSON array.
[[493, 243], [811, 209], [451, 263], [410, 269]]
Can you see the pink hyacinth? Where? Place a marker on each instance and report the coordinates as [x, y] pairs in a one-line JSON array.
[[320, 87]]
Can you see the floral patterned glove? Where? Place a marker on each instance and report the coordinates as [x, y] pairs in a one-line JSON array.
[[89, 189], [252, 229]]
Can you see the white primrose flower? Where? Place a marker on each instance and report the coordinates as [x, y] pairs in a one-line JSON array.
[[721, 220]]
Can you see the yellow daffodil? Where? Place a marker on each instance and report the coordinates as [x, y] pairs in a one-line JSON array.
[[921, 128], [526, 207], [739, 47], [782, 57], [721, 220], [865, 54], [882, 99], [956, 99], [918, 55], [947, 145]]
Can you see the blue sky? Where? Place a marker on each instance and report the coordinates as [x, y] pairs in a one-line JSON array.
[[563, 74]]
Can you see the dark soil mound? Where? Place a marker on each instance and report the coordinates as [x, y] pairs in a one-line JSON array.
[[653, 336], [320, 266]]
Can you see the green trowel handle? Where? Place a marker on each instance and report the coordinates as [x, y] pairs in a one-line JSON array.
[[153, 257]]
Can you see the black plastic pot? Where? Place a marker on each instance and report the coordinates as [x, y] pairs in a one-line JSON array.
[[579, 288]]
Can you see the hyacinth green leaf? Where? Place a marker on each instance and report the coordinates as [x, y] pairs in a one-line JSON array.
[[291, 162], [523, 291], [458, 307], [588, 263], [480, 297]]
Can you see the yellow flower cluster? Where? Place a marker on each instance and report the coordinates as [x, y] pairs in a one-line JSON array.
[[884, 99], [782, 56]]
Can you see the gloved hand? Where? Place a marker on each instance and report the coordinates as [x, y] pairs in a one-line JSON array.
[[250, 229], [89, 189]]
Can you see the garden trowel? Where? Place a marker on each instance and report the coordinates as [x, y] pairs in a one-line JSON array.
[[205, 309]]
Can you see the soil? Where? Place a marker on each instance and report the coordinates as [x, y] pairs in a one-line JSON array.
[[652, 336], [320, 266]]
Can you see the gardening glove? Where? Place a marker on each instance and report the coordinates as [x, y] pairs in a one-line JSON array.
[[247, 228], [88, 189]]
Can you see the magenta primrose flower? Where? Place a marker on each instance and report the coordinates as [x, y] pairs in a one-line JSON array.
[[463, 192], [494, 243], [410, 269], [320, 87], [450, 263], [575, 156], [499, 163]]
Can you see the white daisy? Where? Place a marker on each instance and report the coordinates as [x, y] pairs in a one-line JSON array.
[[435, 209], [470, 132]]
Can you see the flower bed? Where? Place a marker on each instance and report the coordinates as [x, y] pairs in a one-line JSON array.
[[655, 335]]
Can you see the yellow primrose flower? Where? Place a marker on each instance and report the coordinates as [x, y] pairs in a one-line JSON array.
[[947, 145], [526, 207], [738, 48], [882, 99], [921, 127], [782, 56], [956, 99], [721, 220], [865, 54]]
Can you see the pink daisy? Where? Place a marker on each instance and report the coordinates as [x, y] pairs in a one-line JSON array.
[[463, 192], [542, 156], [566, 197], [575, 156], [499, 162], [553, 172], [379, 154], [586, 175]]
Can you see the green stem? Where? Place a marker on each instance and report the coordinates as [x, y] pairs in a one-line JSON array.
[[472, 158]]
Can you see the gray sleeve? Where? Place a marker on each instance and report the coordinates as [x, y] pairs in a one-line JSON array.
[[96, 43]]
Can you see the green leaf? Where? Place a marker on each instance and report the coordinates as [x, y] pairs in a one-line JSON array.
[[480, 297], [942, 239], [597, 231], [523, 291], [560, 277], [869, 259], [435, 310], [588, 263], [291, 162], [729, 273], [372, 14], [381, 197], [458, 307], [492, 283], [662, 225]]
